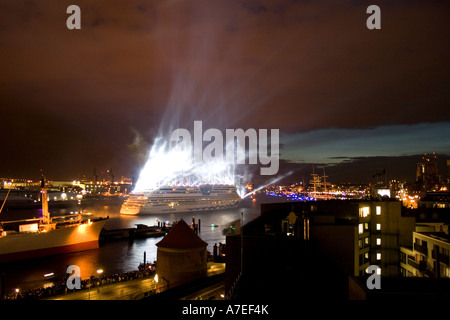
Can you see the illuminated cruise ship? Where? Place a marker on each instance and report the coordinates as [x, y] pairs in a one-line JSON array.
[[181, 199]]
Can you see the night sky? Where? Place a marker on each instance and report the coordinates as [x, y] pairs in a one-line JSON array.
[[75, 100]]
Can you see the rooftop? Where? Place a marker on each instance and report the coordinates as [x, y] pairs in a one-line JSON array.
[[181, 236], [442, 236]]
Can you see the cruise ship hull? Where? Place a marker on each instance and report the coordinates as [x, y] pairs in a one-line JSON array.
[[183, 209], [129, 210], [181, 200], [150, 209], [28, 245]]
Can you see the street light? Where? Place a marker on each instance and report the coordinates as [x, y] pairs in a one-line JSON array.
[[157, 280], [99, 271]]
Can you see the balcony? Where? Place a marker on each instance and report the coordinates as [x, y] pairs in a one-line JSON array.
[[421, 249], [421, 266], [441, 257]]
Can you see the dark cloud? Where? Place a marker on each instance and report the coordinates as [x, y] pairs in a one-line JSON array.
[[139, 68]]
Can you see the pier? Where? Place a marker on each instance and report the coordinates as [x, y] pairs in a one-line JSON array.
[[140, 232]]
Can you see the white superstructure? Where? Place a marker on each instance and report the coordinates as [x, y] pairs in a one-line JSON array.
[[170, 199]]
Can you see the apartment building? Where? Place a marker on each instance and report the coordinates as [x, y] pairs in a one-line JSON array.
[[428, 256], [366, 233]]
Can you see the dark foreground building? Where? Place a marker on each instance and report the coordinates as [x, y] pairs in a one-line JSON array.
[[319, 251], [181, 256]]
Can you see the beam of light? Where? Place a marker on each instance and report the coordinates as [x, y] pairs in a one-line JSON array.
[[202, 90], [173, 166], [168, 166], [272, 181]]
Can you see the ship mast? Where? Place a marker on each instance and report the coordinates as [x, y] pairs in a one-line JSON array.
[[44, 196], [315, 181], [4, 201]]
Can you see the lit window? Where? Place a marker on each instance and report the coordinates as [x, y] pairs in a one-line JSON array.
[[378, 271], [361, 228], [378, 210], [364, 212], [378, 241], [378, 256], [378, 226]]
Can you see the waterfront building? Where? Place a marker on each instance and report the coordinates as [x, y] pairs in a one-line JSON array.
[[365, 232], [320, 242], [181, 256], [357, 234]]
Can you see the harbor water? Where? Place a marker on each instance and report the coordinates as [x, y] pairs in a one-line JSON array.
[[117, 256]]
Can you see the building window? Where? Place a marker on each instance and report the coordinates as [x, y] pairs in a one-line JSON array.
[[378, 241], [361, 228], [363, 243], [378, 226], [364, 212], [378, 256], [403, 257], [363, 258], [378, 270], [378, 210]]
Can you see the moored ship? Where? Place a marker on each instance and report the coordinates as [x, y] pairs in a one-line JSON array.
[[33, 238], [171, 199]]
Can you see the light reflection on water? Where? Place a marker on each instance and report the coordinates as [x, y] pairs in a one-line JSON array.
[[121, 255]]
